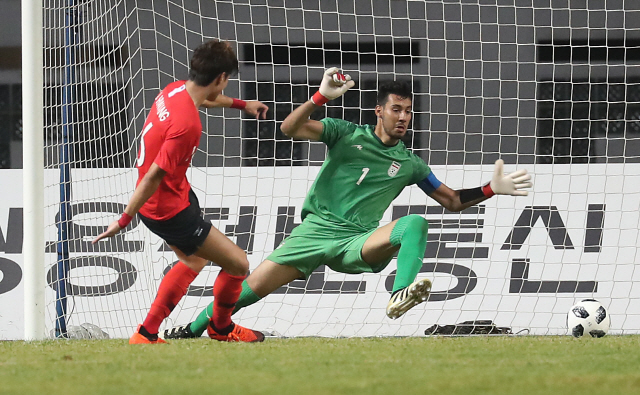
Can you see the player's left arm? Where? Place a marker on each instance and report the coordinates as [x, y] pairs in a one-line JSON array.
[[254, 108], [514, 184], [146, 187]]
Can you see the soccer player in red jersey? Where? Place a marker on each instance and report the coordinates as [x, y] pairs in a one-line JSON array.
[[168, 207]]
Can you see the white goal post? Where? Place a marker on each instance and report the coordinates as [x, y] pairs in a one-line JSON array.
[[555, 90], [33, 170]]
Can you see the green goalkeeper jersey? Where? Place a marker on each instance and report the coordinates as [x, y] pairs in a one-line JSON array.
[[360, 176]]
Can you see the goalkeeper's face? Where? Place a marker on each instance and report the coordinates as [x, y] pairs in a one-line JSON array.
[[395, 116]]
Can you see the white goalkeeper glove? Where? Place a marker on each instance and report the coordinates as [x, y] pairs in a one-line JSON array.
[[507, 184], [333, 85]]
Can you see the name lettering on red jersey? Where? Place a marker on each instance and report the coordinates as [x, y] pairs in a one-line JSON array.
[[161, 108]]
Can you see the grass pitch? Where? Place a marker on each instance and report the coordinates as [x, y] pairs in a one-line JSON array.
[[476, 365]]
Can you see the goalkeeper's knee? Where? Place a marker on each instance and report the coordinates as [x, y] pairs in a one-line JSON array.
[[412, 226]]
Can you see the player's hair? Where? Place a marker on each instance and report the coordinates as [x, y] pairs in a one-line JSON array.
[[210, 59], [400, 88]]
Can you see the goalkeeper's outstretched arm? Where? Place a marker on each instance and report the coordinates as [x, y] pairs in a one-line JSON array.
[[514, 184], [297, 124]]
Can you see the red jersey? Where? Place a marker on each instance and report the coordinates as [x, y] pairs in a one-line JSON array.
[[170, 137]]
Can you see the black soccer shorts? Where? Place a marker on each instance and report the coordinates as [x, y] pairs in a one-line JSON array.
[[186, 230]]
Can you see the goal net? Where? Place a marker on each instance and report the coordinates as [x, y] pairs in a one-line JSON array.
[[552, 90]]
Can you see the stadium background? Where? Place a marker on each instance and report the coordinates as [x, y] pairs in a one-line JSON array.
[[484, 73]]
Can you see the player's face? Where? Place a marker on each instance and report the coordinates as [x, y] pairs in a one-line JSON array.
[[395, 116]]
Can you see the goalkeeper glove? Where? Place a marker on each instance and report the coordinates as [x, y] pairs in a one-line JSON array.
[[507, 184], [333, 85]]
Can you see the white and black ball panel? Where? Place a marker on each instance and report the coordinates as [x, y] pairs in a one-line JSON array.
[[577, 331], [601, 314], [588, 317], [580, 311]]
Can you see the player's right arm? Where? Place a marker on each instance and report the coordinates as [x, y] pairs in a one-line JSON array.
[[254, 108], [297, 125], [146, 187]]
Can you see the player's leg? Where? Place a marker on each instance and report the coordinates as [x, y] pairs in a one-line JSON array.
[[296, 257], [227, 287], [220, 250], [300, 254], [269, 276], [266, 278], [172, 288], [196, 242], [408, 236], [215, 254], [184, 232]]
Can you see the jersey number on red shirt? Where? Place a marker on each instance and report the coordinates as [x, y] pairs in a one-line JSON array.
[[141, 155]]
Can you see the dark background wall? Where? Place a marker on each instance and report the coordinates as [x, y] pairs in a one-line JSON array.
[[530, 81]]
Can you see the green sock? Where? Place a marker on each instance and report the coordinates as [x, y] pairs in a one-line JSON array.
[[410, 233], [200, 324], [247, 297]]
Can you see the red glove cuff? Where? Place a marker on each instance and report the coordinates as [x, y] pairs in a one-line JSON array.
[[488, 192], [319, 99], [239, 104], [124, 220]]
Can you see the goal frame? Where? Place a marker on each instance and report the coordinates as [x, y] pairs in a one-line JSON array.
[[33, 169]]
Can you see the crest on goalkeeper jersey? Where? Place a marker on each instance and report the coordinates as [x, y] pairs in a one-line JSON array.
[[393, 169]]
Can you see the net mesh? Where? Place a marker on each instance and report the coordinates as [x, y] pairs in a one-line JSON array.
[[550, 89]]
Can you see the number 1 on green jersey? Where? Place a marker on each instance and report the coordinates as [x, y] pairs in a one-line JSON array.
[[365, 170]]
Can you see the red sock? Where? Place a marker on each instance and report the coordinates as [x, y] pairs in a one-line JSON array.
[[226, 291], [172, 288]]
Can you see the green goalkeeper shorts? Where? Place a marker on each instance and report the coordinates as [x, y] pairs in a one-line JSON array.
[[317, 242]]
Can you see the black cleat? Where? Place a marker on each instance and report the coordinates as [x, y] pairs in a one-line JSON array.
[[179, 332]]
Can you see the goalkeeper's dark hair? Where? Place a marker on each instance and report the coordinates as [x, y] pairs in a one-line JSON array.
[[210, 59], [399, 88]]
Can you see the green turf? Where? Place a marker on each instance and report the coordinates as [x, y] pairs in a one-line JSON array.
[[478, 365]]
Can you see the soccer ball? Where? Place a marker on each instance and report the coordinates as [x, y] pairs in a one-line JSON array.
[[588, 317]]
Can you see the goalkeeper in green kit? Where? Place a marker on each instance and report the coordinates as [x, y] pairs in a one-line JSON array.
[[365, 170]]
